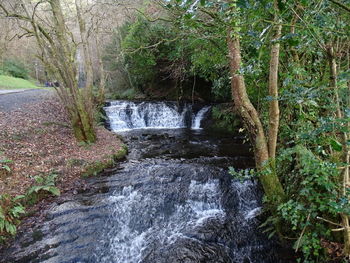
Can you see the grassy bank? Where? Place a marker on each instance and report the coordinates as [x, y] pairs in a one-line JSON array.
[[8, 82]]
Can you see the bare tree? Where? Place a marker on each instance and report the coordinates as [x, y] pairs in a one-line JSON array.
[[58, 53]]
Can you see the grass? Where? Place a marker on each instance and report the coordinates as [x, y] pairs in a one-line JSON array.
[[7, 82]]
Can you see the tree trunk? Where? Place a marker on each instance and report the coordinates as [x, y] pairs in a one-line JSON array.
[[269, 180], [80, 113], [86, 49], [345, 152], [88, 96], [101, 94], [274, 111]]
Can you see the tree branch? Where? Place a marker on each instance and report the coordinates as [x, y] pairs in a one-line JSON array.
[[345, 7]]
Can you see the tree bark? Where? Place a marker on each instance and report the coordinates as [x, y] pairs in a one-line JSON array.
[[102, 88], [274, 110], [80, 114], [269, 180], [86, 49], [345, 152]]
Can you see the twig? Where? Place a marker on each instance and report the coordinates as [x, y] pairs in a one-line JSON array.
[[302, 233], [328, 221], [338, 229], [152, 46], [345, 7]]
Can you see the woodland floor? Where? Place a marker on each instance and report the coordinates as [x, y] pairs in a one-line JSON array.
[[35, 136]]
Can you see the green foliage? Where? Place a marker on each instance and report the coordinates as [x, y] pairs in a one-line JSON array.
[[12, 208], [225, 119], [312, 185], [15, 69], [243, 174], [10, 212], [4, 165], [95, 168], [121, 153], [43, 186], [148, 53]]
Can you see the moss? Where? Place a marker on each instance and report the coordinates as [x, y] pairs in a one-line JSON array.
[[97, 167], [75, 162], [123, 151]]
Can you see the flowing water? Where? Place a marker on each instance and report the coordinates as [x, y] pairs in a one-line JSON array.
[[171, 201], [126, 115]]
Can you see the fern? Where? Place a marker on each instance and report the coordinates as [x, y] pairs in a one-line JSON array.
[[10, 212]]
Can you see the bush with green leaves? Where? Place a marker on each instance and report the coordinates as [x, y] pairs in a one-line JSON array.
[[312, 185], [10, 212], [225, 119], [43, 186], [15, 69], [12, 208]]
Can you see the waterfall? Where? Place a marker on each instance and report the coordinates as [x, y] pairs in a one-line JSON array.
[[196, 122], [128, 115]]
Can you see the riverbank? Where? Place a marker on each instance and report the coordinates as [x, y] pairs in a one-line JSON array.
[[35, 140]]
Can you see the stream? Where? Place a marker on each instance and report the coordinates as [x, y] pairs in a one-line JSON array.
[[171, 201]]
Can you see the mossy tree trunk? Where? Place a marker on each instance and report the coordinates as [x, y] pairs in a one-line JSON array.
[[274, 111], [264, 148], [345, 176], [78, 102], [270, 182]]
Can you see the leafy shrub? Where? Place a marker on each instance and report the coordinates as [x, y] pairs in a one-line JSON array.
[[10, 212], [15, 69], [11, 208], [312, 187], [43, 185], [225, 119]]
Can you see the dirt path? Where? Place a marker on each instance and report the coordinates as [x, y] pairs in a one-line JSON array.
[[15, 100]]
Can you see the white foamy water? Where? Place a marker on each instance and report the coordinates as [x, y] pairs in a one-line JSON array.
[[128, 115], [131, 232], [196, 122]]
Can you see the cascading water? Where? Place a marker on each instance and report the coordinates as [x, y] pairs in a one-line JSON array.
[[126, 115], [196, 122], [131, 238], [173, 200]]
